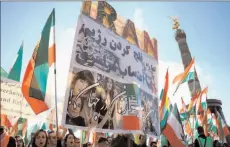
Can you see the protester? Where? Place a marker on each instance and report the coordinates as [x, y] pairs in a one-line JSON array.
[[53, 140], [109, 140], [31, 139], [69, 140], [226, 145], [89, 144], [122, 141], [202, 140], [40, 139], [102, 142], [142, 139], [216, 143], [19, 141], [5, 139], [153, 144], [77, 142]]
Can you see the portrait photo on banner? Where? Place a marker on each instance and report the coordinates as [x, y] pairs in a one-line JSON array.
[[97, 101]]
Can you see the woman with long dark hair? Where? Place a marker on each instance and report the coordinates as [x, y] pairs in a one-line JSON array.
[[19, 141], [69, 140], [40, 139], [109, 94], [109, 87], [53, 140]]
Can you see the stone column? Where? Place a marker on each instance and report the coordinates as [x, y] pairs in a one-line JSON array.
[[180, 36]]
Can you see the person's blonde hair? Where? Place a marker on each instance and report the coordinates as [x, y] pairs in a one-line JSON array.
[[99, 91]]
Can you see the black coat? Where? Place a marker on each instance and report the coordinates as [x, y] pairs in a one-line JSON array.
[[197, 142], [77, 121], [12, 142]]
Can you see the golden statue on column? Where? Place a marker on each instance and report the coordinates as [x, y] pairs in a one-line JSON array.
[[176, 24]]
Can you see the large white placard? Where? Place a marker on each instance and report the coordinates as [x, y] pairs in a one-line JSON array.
[[12, 101], [112, 84]]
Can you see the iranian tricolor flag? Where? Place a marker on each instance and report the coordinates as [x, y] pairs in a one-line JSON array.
[[20, 127], [8, 121], [51, 120], [187, 75], [209, 116], [225, 128], [183, 109], [174, 130], [214, 127], [201, 104], [15, 70], [38, 82], [193, 101]]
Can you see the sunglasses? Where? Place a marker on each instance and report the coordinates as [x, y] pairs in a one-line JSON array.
[[75, 105], [19, 141]]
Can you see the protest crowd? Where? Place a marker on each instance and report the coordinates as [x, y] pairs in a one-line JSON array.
[[44, 138], [49, 138]]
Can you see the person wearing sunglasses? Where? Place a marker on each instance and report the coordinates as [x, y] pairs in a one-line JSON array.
[[73, 116], [80, 81]]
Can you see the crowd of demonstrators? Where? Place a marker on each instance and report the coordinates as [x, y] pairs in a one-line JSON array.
[[43, 138], [206, 141], [202, 140]]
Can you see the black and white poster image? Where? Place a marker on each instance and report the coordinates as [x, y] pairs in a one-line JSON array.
[[150, 114], [97, 101]]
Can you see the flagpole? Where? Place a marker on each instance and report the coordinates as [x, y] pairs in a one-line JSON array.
[[193, 93], [193, 127], [23, 97], [55, 75], [188, 123]]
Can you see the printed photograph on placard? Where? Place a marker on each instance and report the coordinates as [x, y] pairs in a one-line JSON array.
[[149, 114], [98, 101]]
